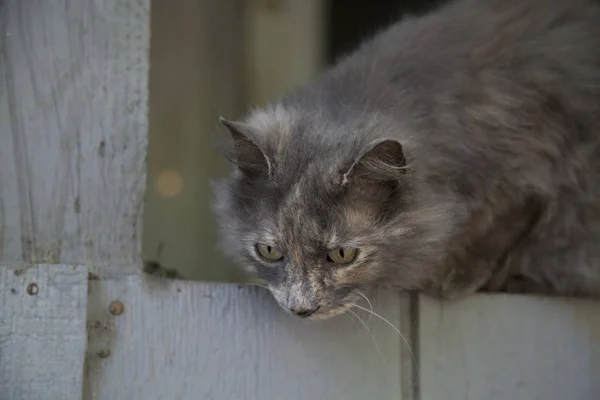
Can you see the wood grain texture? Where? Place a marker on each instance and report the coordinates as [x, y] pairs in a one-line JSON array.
[[192, 340], [42, 335], [73, 130], [495, 347]]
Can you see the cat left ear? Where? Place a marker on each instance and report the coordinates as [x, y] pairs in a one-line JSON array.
[[383, 161], [247, 155]]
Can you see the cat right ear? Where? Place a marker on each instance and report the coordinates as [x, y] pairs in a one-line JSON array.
[[382, 161], [246, 154]]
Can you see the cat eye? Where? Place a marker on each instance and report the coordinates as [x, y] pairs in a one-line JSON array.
[[268, 252], [342, 255]]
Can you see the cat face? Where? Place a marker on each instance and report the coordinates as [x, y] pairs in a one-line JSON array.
[[310, 223]]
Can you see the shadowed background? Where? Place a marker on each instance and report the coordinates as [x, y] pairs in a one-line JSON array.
[[285, 44]]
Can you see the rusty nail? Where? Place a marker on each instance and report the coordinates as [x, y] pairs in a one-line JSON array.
[[104, 353], [116, 308], [32, 289]]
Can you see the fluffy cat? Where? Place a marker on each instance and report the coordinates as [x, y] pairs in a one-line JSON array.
[[452, 153]]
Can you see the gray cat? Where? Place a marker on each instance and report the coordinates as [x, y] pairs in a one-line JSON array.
[[453, 153]]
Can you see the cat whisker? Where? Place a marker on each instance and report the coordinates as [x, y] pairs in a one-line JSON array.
[[370, 334], [412, 354], [370, 305], [259, 285]]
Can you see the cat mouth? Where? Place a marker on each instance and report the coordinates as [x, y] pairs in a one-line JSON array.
[[322, 312]]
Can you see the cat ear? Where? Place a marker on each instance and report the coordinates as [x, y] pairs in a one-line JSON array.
[[247, 156], [383, 161]]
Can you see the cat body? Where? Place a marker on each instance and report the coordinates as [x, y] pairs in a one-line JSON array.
[[452, 153]]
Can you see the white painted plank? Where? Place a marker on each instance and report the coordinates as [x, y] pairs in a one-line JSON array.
[[498, 347], [43, 334], [188, 340], [73, 130]]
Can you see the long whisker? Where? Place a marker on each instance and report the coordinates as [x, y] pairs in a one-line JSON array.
[[370, 305], [412, 354], [259, 285], [370, 334]]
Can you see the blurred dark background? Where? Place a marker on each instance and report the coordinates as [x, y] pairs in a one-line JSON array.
[[220, 58], [348, 22]]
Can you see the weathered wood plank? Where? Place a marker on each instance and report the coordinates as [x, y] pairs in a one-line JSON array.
[[189, 340], [42, 334], [73, 130], [510, 347]]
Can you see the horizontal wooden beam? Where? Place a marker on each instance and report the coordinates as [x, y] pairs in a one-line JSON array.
[[192, 340], [497, 347]]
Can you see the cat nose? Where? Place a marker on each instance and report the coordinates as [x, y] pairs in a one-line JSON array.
[[304, 312]]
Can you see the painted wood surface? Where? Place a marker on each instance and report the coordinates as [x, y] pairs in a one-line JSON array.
[[73, 121], [42, 332], [185, 340], [510, 348], [73, 129]]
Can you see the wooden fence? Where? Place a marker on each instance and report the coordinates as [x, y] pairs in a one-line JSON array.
[[79, 320]]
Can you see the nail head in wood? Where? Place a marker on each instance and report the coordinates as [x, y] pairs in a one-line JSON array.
[[32, 289], [116, 308], [104, 353]]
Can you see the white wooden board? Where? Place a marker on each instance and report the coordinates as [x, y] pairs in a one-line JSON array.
[[186, 340], [73, 130], [510, 348], [42, 335]]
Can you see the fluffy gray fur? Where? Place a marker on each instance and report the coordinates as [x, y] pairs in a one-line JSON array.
[[458, 152]]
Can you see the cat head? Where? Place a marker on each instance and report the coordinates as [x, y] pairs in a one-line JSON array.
[[310, 212]]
